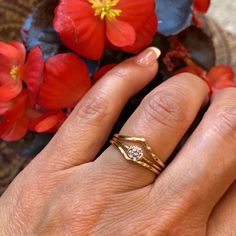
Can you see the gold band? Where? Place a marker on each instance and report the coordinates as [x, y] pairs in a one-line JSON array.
[[134, 149]]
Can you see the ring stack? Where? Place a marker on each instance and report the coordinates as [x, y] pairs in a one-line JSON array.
[[137, 150]]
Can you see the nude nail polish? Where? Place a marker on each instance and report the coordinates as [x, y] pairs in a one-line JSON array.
[[148, 57]]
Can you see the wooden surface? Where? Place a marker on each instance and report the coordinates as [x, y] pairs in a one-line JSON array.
[[13, 13]]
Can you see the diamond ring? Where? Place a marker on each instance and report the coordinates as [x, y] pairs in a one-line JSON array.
[[137, 150]]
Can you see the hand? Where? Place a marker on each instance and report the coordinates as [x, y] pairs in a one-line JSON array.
[[64, 191]]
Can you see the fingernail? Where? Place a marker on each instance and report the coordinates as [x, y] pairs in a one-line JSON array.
[[148, 57]]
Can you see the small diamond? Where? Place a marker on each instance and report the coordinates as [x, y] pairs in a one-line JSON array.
[[135, 153]]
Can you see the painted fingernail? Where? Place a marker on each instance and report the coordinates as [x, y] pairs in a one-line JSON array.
[[148, 57]]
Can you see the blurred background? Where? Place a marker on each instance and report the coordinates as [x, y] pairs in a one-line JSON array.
[[224, 12], [14, 11]]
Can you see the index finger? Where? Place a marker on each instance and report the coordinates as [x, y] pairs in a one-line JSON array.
[[84, 133]]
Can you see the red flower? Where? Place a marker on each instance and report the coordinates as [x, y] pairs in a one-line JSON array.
[[66, 80], [33, 93], [86, 25], [18, 106], [14, 70], [202, 5], [12, 59], [13, 100]]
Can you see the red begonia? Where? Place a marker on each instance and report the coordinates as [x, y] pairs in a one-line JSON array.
[[12, 59], [31, 96], [14, 70], [16, 73], [85, 26]]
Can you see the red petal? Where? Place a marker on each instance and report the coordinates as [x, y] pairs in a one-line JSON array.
[[202, 5], [10, 91], [5, 70], [14, 131], [21, 47], [33, 72], [66, 82], [102, 71], [120, 33], [14, 51], [14, 124], [4, 107], [220, 77], [79, 29], [48, 122], [136, 13], [144, 36]]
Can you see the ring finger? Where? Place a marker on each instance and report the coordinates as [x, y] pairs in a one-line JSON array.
[[162, 119]]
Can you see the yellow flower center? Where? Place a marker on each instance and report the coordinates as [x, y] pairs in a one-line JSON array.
[[105, 8], [14, 72]]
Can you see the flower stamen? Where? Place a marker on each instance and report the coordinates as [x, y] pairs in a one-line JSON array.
[[14, 72], [104, 8]]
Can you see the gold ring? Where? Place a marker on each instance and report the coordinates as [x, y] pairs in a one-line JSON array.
[[137, 150]]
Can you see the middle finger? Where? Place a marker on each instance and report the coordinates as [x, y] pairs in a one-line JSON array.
[[162, 119]]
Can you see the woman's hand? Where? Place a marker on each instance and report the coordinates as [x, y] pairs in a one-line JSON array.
[[64, 191]]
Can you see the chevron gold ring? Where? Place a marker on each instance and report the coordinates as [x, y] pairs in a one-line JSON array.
[[138, 151]]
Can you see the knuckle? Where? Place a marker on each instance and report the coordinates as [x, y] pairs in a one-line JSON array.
[[192, 81], [225, 121], [118, 74], [94, 109], [168, 107], [187, 76]]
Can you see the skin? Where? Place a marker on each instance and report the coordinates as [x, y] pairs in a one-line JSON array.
[[64, 191]]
